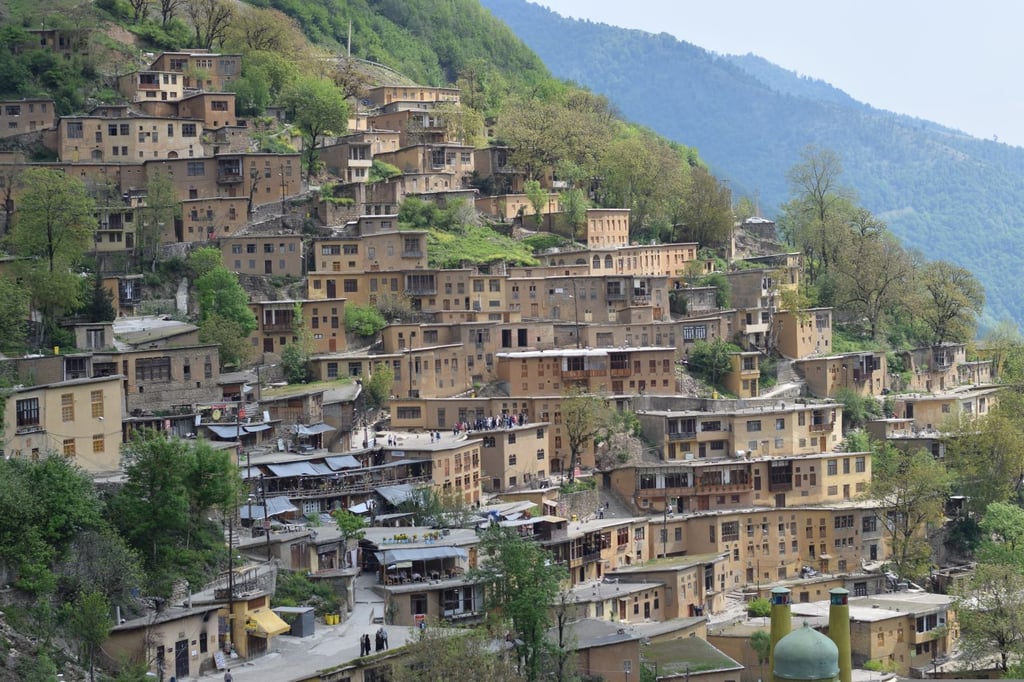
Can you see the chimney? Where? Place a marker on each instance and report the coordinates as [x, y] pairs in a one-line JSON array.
[[839, 630], [782, 621]]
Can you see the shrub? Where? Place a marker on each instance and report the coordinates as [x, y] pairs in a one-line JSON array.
[[759, 608], [363, 320]]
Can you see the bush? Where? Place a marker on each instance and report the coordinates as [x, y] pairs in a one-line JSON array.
[[363, 320], [759, 608], [295, 589]]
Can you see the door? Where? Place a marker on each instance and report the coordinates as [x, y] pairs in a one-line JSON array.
[[332, 289], [332, 345], [622, 609], [181, 659], [846, 491], [873, 552], [268, 267], [780, 500], [647, 610]]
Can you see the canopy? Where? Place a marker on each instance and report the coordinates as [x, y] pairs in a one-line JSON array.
[[226, 432], [393, 556], [275, 506], [263, 622], [342, 462], [395, 494], [256, 428], [312, 429], [291, 469], [360, 508]]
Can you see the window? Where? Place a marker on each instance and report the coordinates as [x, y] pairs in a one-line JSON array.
[[780, 424], [512, 460], [409, 412], [75, 131], [833, 467], [69, 447], [188, 129], [153, 369], [350, 285], [730, 531], [844, 521], [859, 465], [99, 443], [540, 453], [96, 399], [27, 412], [196, 168], [679, 534], [869, 524], [67, 407], [753, 425]]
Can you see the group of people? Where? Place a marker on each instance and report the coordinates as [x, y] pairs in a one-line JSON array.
[[505, 421], [381, 638]]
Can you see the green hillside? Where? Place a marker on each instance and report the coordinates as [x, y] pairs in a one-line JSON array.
[[949, 195]]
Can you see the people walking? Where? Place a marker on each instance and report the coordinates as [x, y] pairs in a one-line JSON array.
[[379, 640], [227, 676], [364, 645]]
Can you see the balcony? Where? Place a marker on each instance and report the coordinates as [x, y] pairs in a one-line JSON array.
[[228, 177], [421, 291], [582, 373], [641, 300], [278, 327], [616, 296], [722, 488], [591, 557], [619, 371], [821, 428], [682, 435]]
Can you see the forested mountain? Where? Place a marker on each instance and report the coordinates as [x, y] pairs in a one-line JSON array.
[[950, 195]]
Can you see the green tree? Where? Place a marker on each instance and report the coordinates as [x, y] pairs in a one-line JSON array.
[[538, 198], [364, 320], [161, 209], [378, 387], [163, 508], [911, 490], [351, 526], [296, 356], [317, 108], [990, 618], [712, 359], [203, 260], [14, 302], [857, 409], [100, 306], [53, 227], [983, 453], [224, 314], [439, 654], [210, 20], [952, 299], [873, 275], [585, 417], [522, 583], [761, 643], [1002, 532], [574, 205], [381, 171], [89, 622], [706, 212]]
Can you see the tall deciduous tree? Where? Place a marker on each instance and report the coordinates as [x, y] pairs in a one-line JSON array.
[[522, 583], [538, 198], [911, 490], [585, 417], [438, 654], [706, 212], [952, 300], [317, 108], [351, 526], [984, 455], [54, 226], [224, 314], [14, 302], [210, 20], [89, 622], [990, 617], [159, 213]]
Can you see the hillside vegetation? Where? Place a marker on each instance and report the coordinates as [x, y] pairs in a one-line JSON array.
[[751, 120]]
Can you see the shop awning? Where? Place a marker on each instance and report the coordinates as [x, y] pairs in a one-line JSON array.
[[313, 429], [225, 432], [275, 506], [256, 428], [393, 556], [265, 623], [395, 494], [342, 462], [291, 469]]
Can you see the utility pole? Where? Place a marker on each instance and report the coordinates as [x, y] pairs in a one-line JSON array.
[[576, 311], [266, 516]]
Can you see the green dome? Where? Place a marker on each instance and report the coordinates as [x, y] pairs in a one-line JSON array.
[[806, 654]]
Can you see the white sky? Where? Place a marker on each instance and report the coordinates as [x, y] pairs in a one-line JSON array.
[[954, 64]]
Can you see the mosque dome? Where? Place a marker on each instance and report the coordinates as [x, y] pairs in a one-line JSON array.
[[806, 654]]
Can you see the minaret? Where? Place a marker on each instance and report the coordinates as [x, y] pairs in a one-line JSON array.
[[839, 630], [782, 621]]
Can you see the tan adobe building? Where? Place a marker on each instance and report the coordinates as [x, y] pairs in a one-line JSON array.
[[904, 434], [77, 418], [389, 251], [452, 163], [908, 630], [507, 207], [930, 412], [943, 367], [693, 301], [744, 377], [690, 584], [607, 228], [67, 42], [708, 429], [207, 219], [214, 109], [351, 157], [620, 602], [590, 549], [263, 254], [620, 371], [581, 298], [114, 134], [28, 115], [175, 641], [386, 94], [514, 456], [149, 85], [324, 318], [491, 164], [201, 69], [263, 178], [638, 329], [704, 328], [803, 333], [416, 123], [865, 374], [455, 462]]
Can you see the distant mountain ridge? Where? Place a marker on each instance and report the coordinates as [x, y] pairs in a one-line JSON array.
[[952, 196]]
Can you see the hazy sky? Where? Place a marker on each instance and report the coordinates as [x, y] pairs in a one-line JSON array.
[[954, 64]]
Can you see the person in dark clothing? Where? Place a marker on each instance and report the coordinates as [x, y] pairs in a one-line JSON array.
[[364, 645], [380, 641]]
